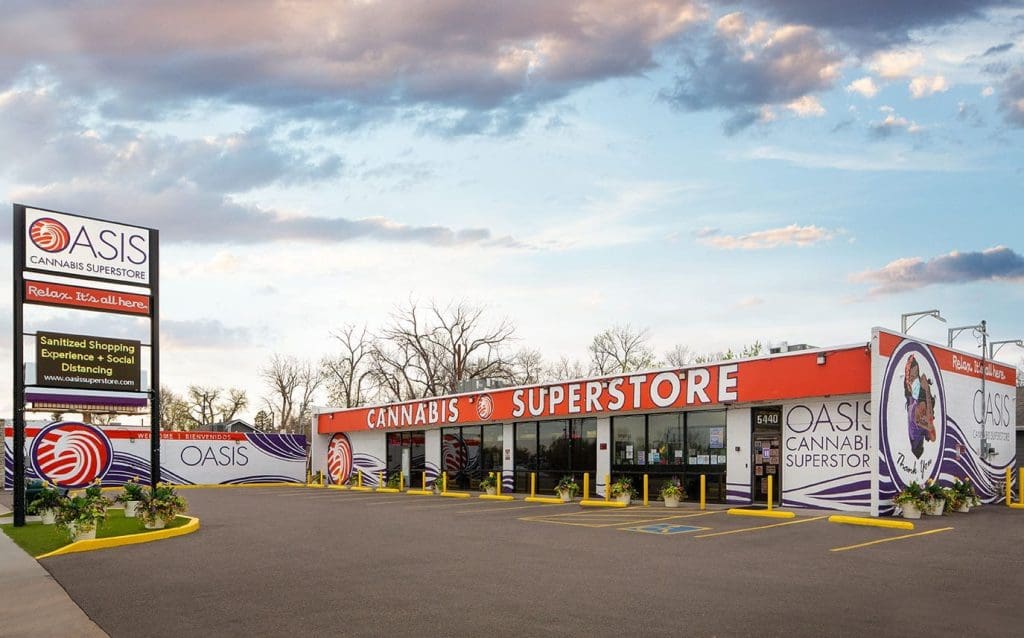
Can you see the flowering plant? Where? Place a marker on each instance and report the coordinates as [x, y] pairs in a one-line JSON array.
[[132, 492], [964, 492], [160, 504], [568, 484], [669, 489], [914, 494], [48, 498], [622, 485], [489, 482], [81, 514]]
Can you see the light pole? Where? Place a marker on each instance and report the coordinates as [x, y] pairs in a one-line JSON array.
[[977, 328], [992, 349], [980, 330], [904, 327]]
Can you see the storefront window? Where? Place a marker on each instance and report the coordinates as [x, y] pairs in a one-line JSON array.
[[526, 445], [665, 440], [553, 445], [491, 451], [705, 438], [630, 442]]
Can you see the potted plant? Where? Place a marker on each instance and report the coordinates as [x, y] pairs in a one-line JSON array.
[[912, 500], [489, 484], [567, 488], [159, 506], [394, 481], [672, 494], [937, 505], [47, 503], [622, 489], [130, 497], [80, 515], [964, 496], [439, 482]]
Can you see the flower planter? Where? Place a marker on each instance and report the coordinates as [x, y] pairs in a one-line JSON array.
[[565, 495], [491, 491], [624, 498], [936, 508], [130, 508], [910, 510], [48, 517], [77, 535], [671, 501], [157, 524], [964, 508]]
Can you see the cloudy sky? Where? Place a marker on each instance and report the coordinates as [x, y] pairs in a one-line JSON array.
[[719, 172]]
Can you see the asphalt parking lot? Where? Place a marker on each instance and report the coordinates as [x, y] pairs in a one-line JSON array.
[[285, 561]]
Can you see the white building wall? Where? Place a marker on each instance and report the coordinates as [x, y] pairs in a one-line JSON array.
[[737, 473], [604, 454]]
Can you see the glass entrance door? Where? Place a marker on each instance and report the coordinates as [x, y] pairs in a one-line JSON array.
[[406, 454], [766, 446]]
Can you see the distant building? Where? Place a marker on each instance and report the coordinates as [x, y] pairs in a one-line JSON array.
[[234, 425], [785, 346]]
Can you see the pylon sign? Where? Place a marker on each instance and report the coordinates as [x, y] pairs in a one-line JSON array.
[[55, 254]]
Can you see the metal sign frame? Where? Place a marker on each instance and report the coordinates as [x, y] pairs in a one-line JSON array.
[[18, 237]]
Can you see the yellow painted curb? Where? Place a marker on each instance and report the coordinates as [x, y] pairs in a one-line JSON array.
[[420, 492], [207, 486], [588, 502], [546, 500], [456, 494], [388, 490], [737, 511], [496, 497], [338, 487], [871, 522], [131, 539], [360, 489], [1017, 506]]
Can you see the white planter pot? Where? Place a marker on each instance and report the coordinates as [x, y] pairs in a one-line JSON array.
[[130, 508], [624, 498], [565, 495], [671, 501], [492, 491], [157, 524], [964, 508], [937, 507], [910, 511], [83, 536], [48, 517]]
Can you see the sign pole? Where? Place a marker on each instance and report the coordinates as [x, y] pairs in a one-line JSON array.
[[18, 240], [154, 358]]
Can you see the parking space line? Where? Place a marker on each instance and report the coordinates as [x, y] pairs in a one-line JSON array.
[[753, 529], [893, 538], [635, 520], [447, 503], [502, 509]]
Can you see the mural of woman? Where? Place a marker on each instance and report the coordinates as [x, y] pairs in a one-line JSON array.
[[920, 406]]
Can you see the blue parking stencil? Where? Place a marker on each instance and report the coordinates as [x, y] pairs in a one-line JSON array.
[[665, 528]]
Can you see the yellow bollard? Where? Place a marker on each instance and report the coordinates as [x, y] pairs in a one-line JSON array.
[[770, 492], [645, 490], [380, 479], [586, 485], [607, 487], [359, 478], [401, 480], [1009, 486], [533, 484], [424, 480], [444, 482], [703, 492]]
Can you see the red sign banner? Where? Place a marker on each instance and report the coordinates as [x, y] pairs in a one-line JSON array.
[[835, 372], [51, 294]]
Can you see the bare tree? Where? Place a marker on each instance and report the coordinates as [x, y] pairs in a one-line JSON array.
[[207, 405], [679, 356], [564, 369], [349, 374], [174, 413], [428, 351], [527, 366], [621, 349], [292, 384], [750, 350]]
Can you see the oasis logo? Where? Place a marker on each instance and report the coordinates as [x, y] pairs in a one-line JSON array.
[[91, 240], [71, 454], [223, 456], [49, 234], [339, 458]]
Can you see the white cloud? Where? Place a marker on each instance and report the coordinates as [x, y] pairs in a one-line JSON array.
[[865, 86], [806, 106], [988, 91], [924, 85], [792, 235], [896, 64]]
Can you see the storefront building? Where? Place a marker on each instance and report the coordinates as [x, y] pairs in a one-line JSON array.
[[805, 418]]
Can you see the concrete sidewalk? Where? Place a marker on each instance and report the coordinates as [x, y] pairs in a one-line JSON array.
[[35, 605]]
